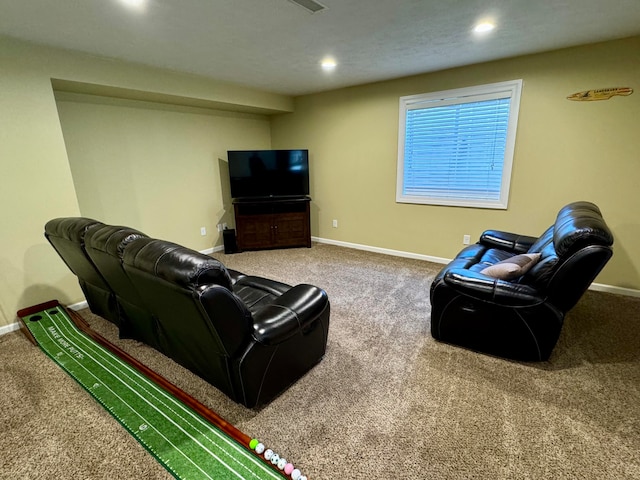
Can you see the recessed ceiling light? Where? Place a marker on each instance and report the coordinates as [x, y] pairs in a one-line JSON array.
[[136, 4], [484, 27], [328, 64]]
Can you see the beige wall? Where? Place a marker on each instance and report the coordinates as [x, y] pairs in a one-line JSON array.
[[158, 168], [36, 174], [565, 151], [36, 186]]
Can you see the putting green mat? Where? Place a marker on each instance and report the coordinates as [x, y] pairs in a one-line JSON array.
[[183, 441]]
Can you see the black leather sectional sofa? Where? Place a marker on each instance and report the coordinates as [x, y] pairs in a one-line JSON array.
[[248, 336]]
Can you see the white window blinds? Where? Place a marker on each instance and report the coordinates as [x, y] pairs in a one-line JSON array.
[[457, 146]]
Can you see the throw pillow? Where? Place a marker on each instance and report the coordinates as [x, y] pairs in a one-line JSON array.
[[513, 267]]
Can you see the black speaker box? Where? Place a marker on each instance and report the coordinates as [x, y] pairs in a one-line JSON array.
[[229, 239]]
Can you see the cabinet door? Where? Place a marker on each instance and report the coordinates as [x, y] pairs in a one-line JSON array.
[[254, 231], [290, 229]]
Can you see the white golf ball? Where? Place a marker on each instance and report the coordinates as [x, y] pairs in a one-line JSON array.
[[259, 448], [295, 475], [302, 477], [268, 453], [281, 463]]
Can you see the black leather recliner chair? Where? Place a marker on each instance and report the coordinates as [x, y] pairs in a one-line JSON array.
[[250, 337], [520, 317]]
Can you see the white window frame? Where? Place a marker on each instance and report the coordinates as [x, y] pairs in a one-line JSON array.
[[511, 89]]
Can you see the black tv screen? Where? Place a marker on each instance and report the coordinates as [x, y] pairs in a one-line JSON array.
[[268, 173]]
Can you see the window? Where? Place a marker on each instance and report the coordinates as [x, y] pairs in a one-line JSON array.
[[456, 147]]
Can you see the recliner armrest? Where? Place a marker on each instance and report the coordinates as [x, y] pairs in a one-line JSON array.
[[289, 314], [511, 242], [267, 285], [491, 290], [235, 275]]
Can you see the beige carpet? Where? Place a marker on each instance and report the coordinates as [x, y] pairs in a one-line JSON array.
[[387, 401]]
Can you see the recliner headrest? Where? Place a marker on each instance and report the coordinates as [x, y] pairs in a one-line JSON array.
[[578, 225], [112, 239], [70, 228], [175, 263]]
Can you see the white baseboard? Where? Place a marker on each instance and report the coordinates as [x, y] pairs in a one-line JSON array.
[[79, 305], [599, 287], [385, 251], [209, 251], [9, 328]]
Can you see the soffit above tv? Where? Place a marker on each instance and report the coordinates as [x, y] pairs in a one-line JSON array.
[[108, 91]]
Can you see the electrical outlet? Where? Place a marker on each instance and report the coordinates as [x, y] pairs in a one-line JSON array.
[[466, 239], [335, 224], [219, 227], [203, 231], [224, 226]]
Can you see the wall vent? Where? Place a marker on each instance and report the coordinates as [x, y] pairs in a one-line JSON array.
[[310, 5]]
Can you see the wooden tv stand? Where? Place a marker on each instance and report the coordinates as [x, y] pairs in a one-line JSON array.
[[272, 223]]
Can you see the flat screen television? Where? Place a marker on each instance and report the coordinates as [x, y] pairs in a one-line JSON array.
[[268, 173]]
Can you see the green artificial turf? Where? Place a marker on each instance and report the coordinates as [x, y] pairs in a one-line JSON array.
[[186, 444]]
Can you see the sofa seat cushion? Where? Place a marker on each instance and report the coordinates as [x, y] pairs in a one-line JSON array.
[[475, 257], [513, 267], [478, 257]]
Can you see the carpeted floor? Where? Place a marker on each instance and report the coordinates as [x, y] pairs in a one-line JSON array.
[[387, 401]]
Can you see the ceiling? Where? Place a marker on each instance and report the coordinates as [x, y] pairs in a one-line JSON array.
[[276, 45]]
